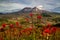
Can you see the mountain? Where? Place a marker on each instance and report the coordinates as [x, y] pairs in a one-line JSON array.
[[29, 9], [1, 13], [35, 9], [26, 9]]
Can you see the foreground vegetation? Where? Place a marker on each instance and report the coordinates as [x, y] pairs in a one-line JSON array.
[[29, 27]]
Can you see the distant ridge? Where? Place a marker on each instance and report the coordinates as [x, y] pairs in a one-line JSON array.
[[26, 9], [29, 9]]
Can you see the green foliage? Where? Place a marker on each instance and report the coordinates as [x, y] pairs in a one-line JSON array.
[[6, 20], [0, 23], [23, 22], [56, 19], [46, 15], [3, 19], [11, 22], [37, 24]]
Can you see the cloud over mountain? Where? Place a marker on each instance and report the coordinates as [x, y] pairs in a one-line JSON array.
[[17, 4]]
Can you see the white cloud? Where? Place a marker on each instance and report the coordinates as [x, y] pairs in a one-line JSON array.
[[10, 6], [17, 4]]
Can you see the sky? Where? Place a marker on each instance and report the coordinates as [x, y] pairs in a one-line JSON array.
[[15, 5]]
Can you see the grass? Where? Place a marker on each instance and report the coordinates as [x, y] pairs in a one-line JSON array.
[[18, 33]]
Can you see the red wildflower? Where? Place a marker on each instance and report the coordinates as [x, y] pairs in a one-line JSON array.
[[31, 14], [29, 29], [47, 31], [17, 23], [4, 25], [11, 25], [26, 31], [53, 29], [22, 31], [39, 17]]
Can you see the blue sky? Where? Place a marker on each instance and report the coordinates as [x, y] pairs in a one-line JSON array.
[[15, 5]]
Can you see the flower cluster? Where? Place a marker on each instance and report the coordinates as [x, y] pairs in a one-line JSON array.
[[19, 31]]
